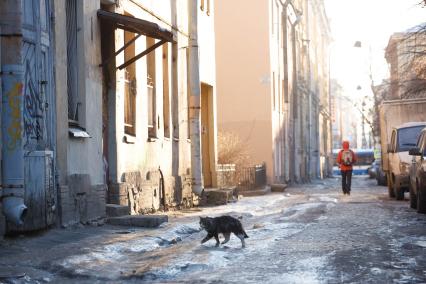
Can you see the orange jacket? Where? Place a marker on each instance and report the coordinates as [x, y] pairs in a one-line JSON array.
[[342, 166]]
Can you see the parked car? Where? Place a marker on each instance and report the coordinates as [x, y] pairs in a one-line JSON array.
[[403, 138], [380, 174], [418, 174], [372, 170]]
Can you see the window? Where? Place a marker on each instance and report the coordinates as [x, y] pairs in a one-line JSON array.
[[208, 6], [72, 60], [273, 91], [129, 87], [166, 91], [152, 115], [424, 144], [188, 95], [407, 138]]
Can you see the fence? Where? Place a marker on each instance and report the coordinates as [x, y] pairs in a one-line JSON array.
[[246, 178]]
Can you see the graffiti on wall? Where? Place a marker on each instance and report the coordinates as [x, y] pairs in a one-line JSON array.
[[33, 110], [14, 131]]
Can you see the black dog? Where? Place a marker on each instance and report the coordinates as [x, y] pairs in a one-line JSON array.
[[222, 225]]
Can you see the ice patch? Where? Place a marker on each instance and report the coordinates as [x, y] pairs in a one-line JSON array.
[[376, 271], [421, 243], [327, 199], [306, 271]]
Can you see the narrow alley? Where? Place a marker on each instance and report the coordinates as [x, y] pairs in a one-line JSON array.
[[308, 234]]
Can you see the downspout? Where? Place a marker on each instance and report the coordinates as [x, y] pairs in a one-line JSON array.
[[309, 142], [12, 164], [194, 99], [287, 161], [294, 95]]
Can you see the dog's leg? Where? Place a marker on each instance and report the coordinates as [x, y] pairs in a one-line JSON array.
[[217, 240], [208, 237], [227, 237], [241, 237]]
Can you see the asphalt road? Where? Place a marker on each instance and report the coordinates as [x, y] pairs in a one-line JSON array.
[[309, 234]]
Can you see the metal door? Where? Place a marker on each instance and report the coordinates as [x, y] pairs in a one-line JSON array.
[[39, 115]]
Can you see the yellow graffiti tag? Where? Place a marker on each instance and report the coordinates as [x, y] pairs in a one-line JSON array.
[[14, 130]]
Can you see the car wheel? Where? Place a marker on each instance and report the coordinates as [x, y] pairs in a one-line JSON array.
[[390, 187], [421, 200], [413, 198], [381, 180], [399, 192]]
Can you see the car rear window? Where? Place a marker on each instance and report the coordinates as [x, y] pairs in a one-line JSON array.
[[407, 137]]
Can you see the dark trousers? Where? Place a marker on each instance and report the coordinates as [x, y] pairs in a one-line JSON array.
[[346, 181]]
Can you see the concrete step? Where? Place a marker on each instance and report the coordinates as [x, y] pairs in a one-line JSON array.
[[147, 221], [255, 192], [114, 210], [215, 196], [278, 187]]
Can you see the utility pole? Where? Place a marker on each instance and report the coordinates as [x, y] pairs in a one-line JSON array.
[[194, 99]]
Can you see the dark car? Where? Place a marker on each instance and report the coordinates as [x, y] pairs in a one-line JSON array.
[[372, 170], [418, 174], [380, 174]]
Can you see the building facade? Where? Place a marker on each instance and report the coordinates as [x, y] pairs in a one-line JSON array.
[[243, 88], [273, 84], [95, 108], [300, 38], [405, 56]]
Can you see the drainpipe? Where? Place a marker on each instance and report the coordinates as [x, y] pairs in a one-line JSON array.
[[12, 164], [286, 161], [194, 99], [296, 116]]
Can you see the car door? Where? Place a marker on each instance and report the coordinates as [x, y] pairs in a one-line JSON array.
[[415, 162], [393, 161]]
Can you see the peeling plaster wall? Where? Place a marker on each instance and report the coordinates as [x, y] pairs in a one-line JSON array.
[[129, 184], [82, 190]]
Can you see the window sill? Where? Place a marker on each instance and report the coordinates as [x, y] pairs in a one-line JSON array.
[[152, 139], [129, 139], [78, 132]]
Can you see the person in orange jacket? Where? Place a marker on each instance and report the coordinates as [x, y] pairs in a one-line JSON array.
[[346, 158]]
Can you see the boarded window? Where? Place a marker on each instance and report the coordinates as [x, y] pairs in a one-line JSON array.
[[150, 59], [129, 87], [166, 91], [72, 60], [175, 94]]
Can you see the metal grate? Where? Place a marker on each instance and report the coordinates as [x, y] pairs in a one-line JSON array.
[[245, 178]]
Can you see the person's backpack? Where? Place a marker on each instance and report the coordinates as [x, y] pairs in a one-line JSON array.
[[347, 157]]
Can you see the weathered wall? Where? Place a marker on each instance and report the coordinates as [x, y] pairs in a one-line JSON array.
[[134, 174], [300, 90], [82, 188]]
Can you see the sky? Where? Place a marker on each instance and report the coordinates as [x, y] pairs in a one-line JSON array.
[[371, 22]]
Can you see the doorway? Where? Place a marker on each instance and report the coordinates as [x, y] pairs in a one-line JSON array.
[[207, 132]]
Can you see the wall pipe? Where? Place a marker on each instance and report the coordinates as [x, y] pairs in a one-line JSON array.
[[12, 146], [12, 164], [194, 99]]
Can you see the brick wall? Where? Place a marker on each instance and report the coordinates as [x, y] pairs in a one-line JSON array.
[[142, 192], [81, 202]]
